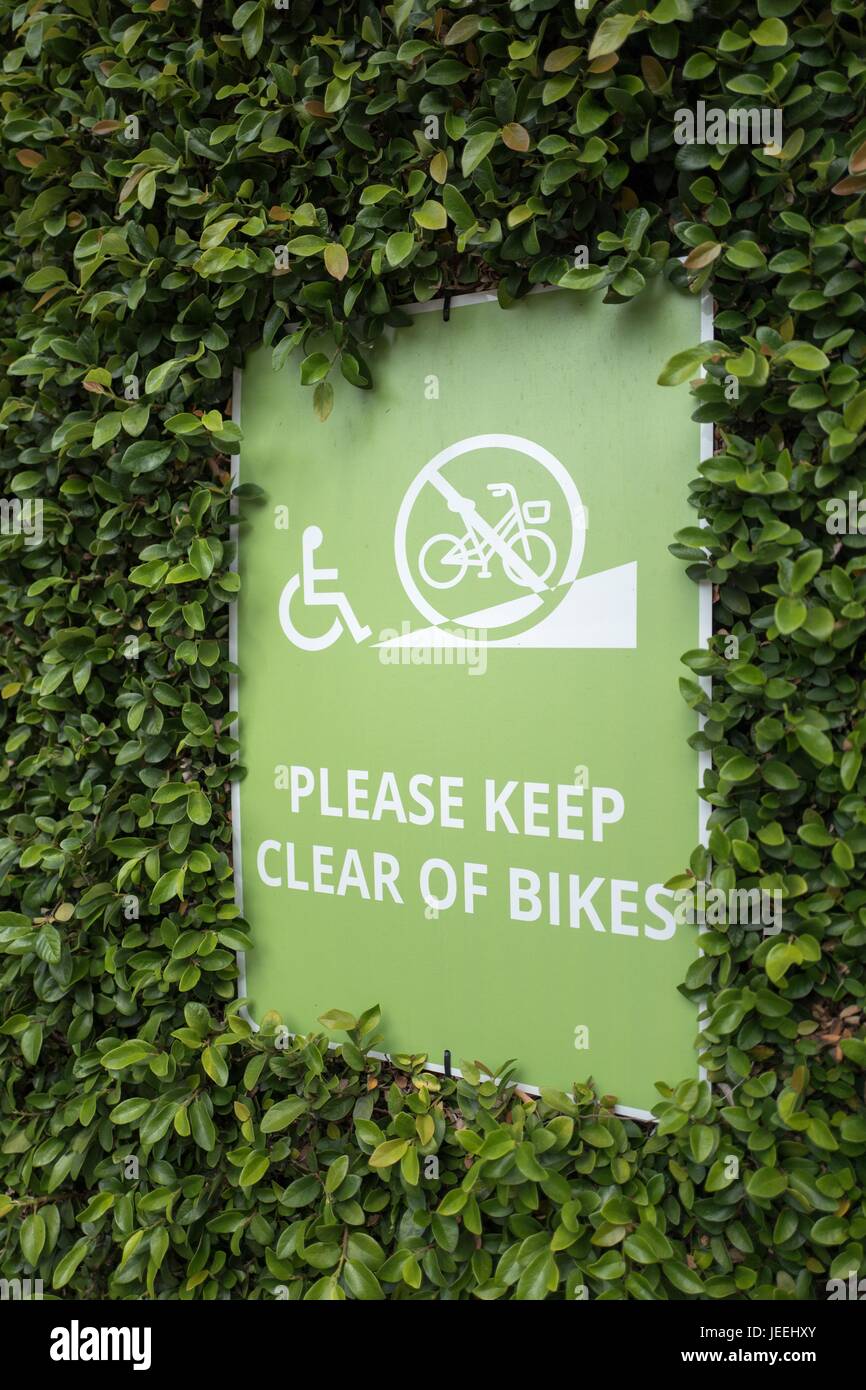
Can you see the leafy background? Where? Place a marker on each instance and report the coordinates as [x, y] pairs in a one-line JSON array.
[[140, 260]]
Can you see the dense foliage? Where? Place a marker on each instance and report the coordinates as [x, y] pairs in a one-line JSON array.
[[182, 179]]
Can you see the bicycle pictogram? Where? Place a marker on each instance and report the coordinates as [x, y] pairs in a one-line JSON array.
[[530, 552], [527, 553]]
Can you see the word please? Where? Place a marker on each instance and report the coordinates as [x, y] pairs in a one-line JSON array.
[[519, 808]]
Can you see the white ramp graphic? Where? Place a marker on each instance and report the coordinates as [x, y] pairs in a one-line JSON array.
[[597, 612]]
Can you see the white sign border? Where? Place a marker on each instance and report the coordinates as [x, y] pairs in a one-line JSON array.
[[705, 631]]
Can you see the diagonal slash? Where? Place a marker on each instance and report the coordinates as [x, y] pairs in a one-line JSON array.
[[467, 510]]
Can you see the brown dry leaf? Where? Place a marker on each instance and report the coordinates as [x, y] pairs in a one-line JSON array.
[[653, 73], [854, 184], [31, 159], [49, 294], [515, 136], [857, 162], [130, 185], [604, 63], [105, 127], [704, 254]]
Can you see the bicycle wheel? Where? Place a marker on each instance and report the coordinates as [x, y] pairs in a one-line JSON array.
[[438, 557], [542, 557]]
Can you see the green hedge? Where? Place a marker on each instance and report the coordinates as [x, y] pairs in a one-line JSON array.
[[156, 158]]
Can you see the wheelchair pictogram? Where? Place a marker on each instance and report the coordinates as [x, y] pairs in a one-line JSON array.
[[307, 582]]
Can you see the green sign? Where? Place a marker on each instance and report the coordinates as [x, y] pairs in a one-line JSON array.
[[459, 632]]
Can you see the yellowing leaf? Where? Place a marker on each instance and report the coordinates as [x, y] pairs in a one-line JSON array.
[[771, 34], [391, 1151], [561, 58], [336, 260], [439, 167], [323, 399], [337, 94], [430, 215], [465, 29], [611, 34]]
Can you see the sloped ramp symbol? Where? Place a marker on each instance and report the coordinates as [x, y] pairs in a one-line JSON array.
[[599, 611]]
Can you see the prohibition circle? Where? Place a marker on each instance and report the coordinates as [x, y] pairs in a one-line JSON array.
[[517, 444]]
